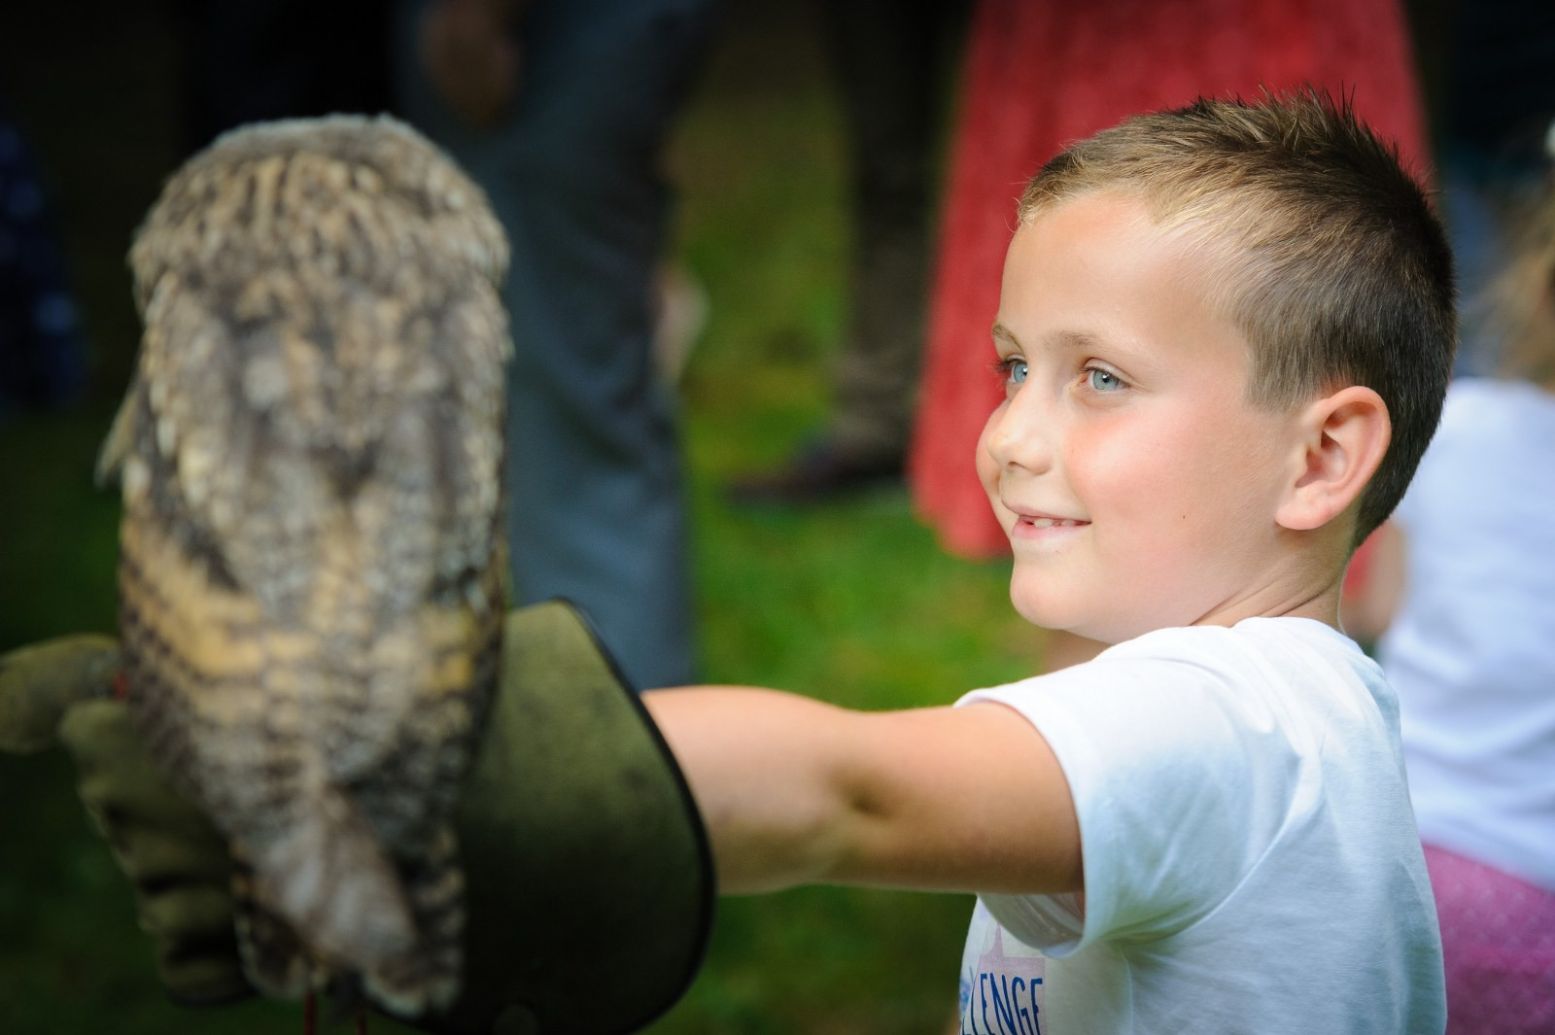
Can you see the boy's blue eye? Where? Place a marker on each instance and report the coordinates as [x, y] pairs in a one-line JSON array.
[[1100, 380], [1014, 370]]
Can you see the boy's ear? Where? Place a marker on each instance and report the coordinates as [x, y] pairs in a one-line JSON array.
[[1343, 438]]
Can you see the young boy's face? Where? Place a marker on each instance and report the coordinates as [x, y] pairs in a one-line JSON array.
[[1137, 485]]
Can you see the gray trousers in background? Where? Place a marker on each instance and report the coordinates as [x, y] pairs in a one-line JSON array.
[[596, 500], [890, 60]]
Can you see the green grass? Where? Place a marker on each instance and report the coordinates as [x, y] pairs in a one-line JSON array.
[[853, 602]]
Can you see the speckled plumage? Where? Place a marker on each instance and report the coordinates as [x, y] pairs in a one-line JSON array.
[[310, 458]]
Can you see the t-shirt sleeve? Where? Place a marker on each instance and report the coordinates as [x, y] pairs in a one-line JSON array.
[[1177, 780]]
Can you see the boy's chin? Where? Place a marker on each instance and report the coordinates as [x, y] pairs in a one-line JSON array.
[[1046, 614]]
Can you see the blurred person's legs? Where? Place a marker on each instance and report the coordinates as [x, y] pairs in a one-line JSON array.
[[884, 55], [887, 59], [596, 511]]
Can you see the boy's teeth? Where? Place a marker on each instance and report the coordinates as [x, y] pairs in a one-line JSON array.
[[1053, 522]]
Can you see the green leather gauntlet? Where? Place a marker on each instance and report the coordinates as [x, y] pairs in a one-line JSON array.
[[589, 884], [589, 879], [176, 862]]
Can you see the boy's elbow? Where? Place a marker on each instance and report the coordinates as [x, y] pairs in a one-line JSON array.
[[812, 837], [757, 865], [766, 770]]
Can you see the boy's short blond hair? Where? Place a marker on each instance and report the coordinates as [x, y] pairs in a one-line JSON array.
[[1337, 271]]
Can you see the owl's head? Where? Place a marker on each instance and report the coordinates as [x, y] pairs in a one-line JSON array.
[[343, 195]]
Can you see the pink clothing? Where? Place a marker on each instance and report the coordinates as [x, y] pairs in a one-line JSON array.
[[1498, 945]]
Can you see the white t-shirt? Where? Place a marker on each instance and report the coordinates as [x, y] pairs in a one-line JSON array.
[[1251, 860], [1472, 650]]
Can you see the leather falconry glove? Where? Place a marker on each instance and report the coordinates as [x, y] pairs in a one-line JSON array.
[[589, 881]]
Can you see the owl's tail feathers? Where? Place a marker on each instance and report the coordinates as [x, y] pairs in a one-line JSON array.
[[273, 959], [329, 881], [435, 884]]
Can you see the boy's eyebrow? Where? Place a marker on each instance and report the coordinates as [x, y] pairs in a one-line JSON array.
[[1080, 340]]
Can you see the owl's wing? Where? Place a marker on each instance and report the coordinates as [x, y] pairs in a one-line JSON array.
[[355, 502], [116, 447]]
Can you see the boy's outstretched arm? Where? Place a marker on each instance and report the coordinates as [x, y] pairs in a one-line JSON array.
[[794, 791]]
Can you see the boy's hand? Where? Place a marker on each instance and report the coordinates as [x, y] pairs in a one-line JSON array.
[[588, 880]]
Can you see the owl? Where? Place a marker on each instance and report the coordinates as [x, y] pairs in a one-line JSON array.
[[310, 558]]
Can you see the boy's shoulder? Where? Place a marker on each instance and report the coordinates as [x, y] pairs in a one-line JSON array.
[[1199, 685]]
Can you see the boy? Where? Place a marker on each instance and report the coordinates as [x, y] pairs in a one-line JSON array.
[[1225, 334]]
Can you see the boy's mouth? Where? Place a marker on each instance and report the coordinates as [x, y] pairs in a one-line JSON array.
[[1037, 525], [1050, 522], [1033, 518]]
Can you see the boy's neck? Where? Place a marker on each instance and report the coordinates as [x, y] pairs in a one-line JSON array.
[[1307, 584]]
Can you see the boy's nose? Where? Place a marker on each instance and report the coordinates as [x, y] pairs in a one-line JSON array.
[[1018, 434]]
